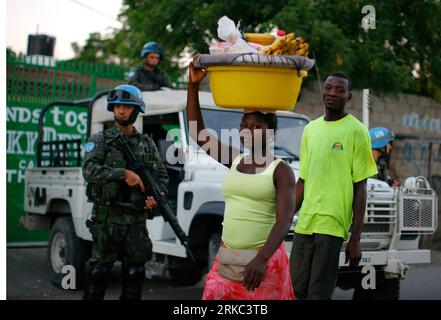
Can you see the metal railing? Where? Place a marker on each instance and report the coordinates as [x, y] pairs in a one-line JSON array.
[[66, 80], [418, 207], [65, 153], [381, 211]]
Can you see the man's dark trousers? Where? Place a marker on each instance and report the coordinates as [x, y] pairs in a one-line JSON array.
[[314, 264]]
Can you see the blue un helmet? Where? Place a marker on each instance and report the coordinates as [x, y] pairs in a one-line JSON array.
[[126, 94], [380, 137], [151, 46]]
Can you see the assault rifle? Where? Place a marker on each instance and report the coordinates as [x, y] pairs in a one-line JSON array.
[[120, 143]]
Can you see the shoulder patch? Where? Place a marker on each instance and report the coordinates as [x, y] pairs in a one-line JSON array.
[[89, 146]]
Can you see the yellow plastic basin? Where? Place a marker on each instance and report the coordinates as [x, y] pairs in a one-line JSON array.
[[255, 86]]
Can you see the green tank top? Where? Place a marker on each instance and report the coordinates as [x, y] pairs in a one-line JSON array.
[[250, 206]]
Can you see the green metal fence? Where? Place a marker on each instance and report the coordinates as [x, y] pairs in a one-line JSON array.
[[69, 80], [31, 85]]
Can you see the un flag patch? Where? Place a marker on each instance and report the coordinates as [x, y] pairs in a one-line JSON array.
[[89, 146]]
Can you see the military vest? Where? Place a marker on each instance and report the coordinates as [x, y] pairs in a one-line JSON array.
[[383, 171], [119, 193]]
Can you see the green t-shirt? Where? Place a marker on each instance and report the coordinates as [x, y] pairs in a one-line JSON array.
[[333, 156]]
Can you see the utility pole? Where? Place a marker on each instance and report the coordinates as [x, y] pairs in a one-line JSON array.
[[366, 108]]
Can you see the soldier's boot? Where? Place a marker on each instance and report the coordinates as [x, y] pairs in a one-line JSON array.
[[96, 285], [132, 280]]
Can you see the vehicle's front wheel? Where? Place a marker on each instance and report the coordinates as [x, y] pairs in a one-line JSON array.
[[66, 249]]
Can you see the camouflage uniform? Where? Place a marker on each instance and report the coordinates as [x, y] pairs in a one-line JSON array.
[[118, 223], [148, 81], [383, 170]]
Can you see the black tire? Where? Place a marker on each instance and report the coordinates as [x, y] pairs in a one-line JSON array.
[[386, 289], [65, 248], [213, 247], [183, 272]]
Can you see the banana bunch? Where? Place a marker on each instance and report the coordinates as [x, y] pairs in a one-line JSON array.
[[263, 39], [288, 45]]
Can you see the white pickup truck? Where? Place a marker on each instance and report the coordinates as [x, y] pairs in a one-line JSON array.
[[55, 198]]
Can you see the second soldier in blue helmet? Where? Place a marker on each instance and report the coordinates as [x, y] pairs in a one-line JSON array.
[[120, 207], [148, 77], [381, 141]]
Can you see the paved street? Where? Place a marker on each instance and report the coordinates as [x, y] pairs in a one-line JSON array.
[[27, 279]]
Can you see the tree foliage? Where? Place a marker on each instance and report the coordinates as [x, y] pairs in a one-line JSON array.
[[405, 42], [186, 26], [384, 59]]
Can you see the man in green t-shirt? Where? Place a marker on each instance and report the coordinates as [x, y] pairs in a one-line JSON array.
[[335, 162]]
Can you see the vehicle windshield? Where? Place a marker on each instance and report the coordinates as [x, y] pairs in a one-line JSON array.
[[227, 123]]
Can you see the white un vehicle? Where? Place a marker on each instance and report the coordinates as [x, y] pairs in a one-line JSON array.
[[55, 198]]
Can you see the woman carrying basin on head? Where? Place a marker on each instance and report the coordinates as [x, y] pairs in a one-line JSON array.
[[259, 193]]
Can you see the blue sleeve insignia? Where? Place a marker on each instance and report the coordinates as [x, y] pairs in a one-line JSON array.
[[89, 146]]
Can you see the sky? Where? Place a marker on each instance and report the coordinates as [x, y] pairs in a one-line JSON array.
[[67, 20]]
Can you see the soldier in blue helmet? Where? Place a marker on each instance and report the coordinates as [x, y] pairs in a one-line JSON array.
[[382, 141], [120, 205], [148, 77]]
